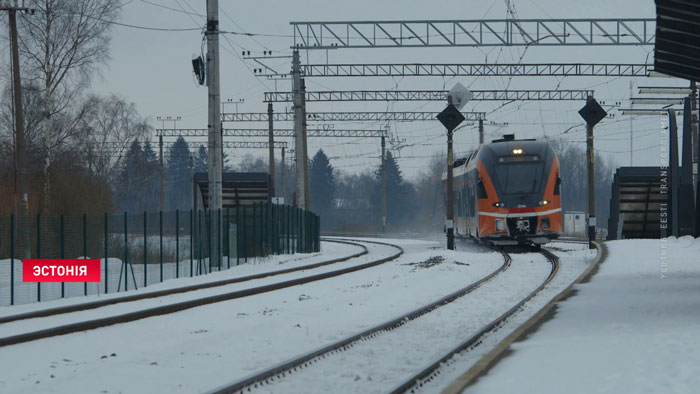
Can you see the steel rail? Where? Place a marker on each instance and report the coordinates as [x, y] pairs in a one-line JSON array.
[[184, 305], [427, 373], [270, 374]]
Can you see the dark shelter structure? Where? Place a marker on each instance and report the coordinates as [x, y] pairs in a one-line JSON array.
[[238, 188]]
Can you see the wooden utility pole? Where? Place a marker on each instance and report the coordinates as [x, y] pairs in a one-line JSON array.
[[214, 125], [307, 197], [271, 143], [21, 198], [161, 194], [282, 181], [300, 195]]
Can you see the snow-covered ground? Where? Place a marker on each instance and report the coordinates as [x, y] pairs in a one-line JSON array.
[[381, 363], [202, 348], [113, 273], [329, 250], [29, 325], [632, 329]]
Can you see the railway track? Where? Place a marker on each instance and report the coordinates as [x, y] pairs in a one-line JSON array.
[[429, 371], [184, 305], [281, 371]]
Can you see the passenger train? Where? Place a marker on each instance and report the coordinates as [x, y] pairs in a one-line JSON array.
[[508, 193]]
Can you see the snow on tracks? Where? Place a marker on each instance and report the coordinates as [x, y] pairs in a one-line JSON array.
[[384, 354], [137, 305]]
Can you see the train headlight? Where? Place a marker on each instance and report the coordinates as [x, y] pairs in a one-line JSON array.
[[500, 225], [544, 202], [498, 204], [545, 223], [517, 151]]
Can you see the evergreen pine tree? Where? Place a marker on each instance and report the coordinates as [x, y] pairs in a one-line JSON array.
[[201, 160], [130, 177], [322, 184], [400, 195], [177, 186], [151, 174]]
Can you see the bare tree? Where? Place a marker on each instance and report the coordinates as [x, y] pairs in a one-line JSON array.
[[62, 45], [106, 132]]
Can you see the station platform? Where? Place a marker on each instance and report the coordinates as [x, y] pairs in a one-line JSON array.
[[634, 328]]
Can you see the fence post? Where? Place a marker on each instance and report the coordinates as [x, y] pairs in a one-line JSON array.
[[191, 243], [219, 230], [255, 228], [177, 243], [161, 244], [199, 240], [245, 234], [270, 228], [228, 239], [273, 226], [12, 259], [260, 239], [126, 256], [63, 284], [238, 233], [106, 255], [38, 253], [208, 240], [145, 249], [85, 256], [294, 229]]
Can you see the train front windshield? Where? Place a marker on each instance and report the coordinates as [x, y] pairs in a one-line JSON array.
[[519, 177]]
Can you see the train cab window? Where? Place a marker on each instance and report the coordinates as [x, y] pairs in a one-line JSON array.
[[557, 186], [519, 178], [481, 190]]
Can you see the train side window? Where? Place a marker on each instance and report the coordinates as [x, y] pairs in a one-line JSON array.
[[481, 190], [557, 186]]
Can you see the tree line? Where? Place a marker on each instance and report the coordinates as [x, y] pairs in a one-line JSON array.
[[352, 202]]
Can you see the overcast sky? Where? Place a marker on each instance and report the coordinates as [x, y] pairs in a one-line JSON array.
[[153, 69]]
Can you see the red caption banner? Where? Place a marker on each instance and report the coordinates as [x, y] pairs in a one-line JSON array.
[[61, 270]]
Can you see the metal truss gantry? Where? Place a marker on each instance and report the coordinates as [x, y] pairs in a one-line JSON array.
[[114, 149], [430, 95], [343, 116], [277, 133], [474, 70], [473, 33]]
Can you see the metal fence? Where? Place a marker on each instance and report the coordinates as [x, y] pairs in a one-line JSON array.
[[137, 250]]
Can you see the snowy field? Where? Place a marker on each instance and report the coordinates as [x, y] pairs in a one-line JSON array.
[[202, 348], [632, 329]]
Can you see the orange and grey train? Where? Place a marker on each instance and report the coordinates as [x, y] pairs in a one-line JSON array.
[[508, 193]]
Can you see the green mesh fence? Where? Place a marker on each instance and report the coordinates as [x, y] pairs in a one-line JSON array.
[[140, 249]]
